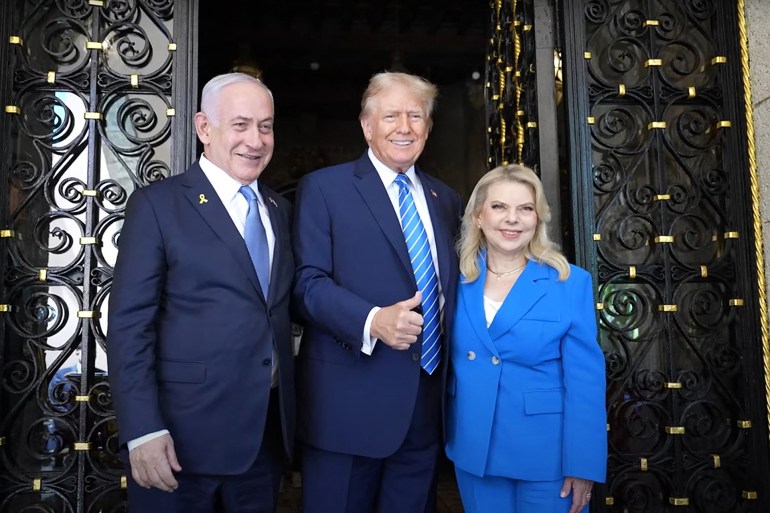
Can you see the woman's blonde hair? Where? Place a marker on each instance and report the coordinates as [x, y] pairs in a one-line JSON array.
[[472, 241]]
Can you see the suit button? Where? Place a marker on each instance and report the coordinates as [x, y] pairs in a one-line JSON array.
[[471, 355], [266, 362], [495, 360], [415, 356], [347, 346]]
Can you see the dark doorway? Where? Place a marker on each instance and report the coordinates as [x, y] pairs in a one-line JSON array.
[[317, 57]]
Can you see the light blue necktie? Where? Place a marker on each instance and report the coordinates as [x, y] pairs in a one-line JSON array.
[[256, 240], [422, 264]]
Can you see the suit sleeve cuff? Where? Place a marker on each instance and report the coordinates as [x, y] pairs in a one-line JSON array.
[[368, 342], [136, 442]]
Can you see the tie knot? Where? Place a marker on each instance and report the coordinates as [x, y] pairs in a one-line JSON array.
[[249, 193], [402, 180]]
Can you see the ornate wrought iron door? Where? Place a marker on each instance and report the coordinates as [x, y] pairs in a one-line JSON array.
[[89, 114], [662, 182]]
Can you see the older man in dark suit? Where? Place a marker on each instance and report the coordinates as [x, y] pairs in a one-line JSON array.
[[376, 279], [199, 341]]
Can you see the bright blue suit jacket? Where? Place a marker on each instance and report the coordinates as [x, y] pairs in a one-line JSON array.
[[191, 335], [351, 256], [527, 395]]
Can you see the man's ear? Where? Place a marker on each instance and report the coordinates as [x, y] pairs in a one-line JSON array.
[[366, 126], [202, 126]]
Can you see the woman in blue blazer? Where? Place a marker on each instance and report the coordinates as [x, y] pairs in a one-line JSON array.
[[526, 409]]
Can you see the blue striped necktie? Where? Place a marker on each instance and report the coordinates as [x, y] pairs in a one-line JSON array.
[[422, 264], [256, 239]]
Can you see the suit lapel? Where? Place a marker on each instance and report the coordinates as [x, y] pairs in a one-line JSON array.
[[377, 200], [531, 286], [472, 299], [443, 239], [279, 227], [205, 201]]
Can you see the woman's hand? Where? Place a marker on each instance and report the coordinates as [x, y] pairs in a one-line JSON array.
[[581, 492]]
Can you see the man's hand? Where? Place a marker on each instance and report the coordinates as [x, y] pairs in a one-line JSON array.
[[581, 492], [152, 464], [397, 325]]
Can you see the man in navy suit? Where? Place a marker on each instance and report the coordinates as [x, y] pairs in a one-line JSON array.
[[370, 399], [199, 342]]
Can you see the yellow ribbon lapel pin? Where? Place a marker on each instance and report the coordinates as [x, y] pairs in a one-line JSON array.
[[202, 199]]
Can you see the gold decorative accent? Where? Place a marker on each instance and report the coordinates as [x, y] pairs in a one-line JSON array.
[[97, 3], [590, 120], [664, 239], [531, 124], [609, 501], [717, 460], [51, 77], [93, 115], [668, 308], [37, 484], [90, 192], [82, 446], [587, 55], [679, 501], [656, 124], [89, 314], [87, 241], [15, 40], [724, 124], [721, 59], [759, 255], [520, 113], [731, 235], [123, 482], [653, 62], [621, 89], [526, 28], [2, 440], [651, 23], [749, 494], [6, 308], [600, 306], [172, 47], [643, 464], [744, 424], [632, 272], [7, 234], [82, 398], [704, 271], [170, 112], [12, 109], [736, 302], [673, 385], [42, 274], [661, 197], [597, 236], [94, 45], [134, 80], [691, 92]]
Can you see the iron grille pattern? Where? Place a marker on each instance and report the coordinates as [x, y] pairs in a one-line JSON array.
[[87, 119], [511, 85], [674, 255]]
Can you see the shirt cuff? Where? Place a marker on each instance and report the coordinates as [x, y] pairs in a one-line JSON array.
[[136, 442], [367, 343]]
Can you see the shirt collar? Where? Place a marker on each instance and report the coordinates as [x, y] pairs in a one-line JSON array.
[[225, 185], [387, 175]]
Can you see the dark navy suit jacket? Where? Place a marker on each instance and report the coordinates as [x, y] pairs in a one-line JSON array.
[[190, 335], [351, 256]]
